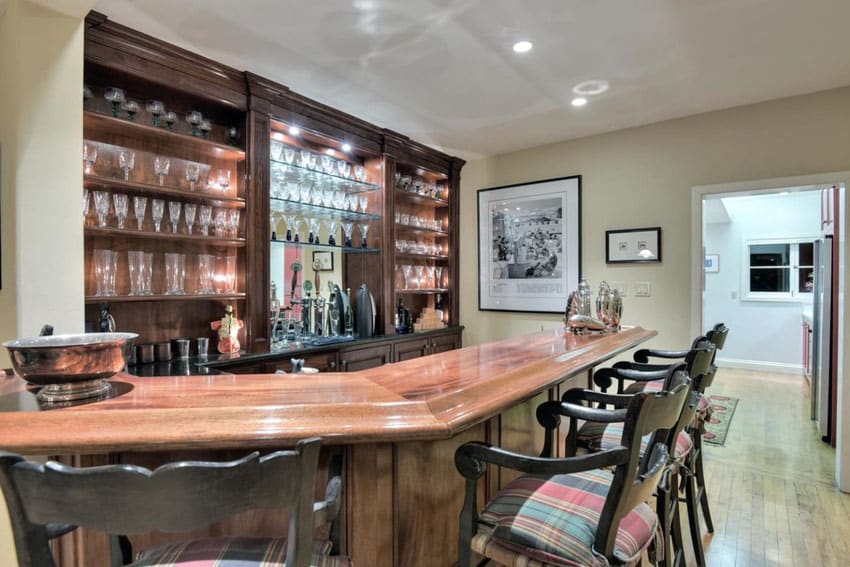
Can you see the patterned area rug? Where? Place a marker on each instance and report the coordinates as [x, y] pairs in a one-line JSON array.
[[723, 408]]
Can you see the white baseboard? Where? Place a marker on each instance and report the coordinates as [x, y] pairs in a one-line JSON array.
[[759, 365]]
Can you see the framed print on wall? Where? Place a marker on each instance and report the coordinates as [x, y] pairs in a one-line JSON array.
[[633, 245], [529, 245], [323, 261], [712, 263]]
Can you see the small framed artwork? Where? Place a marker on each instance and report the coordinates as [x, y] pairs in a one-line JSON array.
[[712, 262], [633, 245], [323, 261], [529, 245]]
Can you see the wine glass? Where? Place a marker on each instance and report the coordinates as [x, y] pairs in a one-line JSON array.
[[360, 173], [438, 277], [86, 202], [348, 229], [204, 218], [328, 164], [174, 208], [155, 108], [313, 237], [88, 94], [233, 222], [289, 155], [224, 179], [171, 119], [289, 219], [189, 216], [126, 161], [161, 165], [363, 200], [101, 207], [157, 211], [233, 135], [194, 119], [205, 127], [420, 270], [429, 277], [333, 226], [407, 270], [304, 158], [122, 203], [140, 204], [220, 222], [116, 97], [193, 173], [364, 230], [131, 107], [89, 156], [344, 168]]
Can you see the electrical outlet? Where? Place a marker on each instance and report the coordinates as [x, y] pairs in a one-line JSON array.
[[642, 289], [619, 286]]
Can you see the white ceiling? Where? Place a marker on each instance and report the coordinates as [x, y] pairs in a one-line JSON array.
[[443, 72]]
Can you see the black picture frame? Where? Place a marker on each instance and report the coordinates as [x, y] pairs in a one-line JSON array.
[[323, 261], [633, 245], [529, 245]]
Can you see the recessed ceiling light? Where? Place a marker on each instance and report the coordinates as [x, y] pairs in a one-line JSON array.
[[278, 136], [330, 151], [294, 130], [523, 46], [591, 87], [578, 101], [346, 147]]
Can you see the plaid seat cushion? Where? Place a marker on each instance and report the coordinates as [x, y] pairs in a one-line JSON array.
[[611, 435], [704, 408], [233, 552], [553, 521]]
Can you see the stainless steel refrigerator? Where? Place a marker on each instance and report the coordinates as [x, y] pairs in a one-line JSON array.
[[822, 310]]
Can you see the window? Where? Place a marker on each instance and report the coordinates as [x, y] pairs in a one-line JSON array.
[[778, 270]]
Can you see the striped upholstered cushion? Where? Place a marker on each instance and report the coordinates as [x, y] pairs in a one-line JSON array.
[[703, 409], [233, 552], [612, 436], [553, 521]]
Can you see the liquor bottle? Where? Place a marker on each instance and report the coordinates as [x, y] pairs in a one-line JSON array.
[[401, 318], [438, 306]]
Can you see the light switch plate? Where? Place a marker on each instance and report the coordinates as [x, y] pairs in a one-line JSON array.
[[642, 289], [619, 286]]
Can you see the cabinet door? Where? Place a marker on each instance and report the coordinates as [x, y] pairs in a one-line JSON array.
[[324, 361], [406, 350], [363, 358], [256, 368], [443, 343]]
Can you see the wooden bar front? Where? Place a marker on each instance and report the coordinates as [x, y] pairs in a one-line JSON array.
[[397, 427]]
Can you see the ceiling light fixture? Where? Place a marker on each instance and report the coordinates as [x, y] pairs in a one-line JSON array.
[[330, 151], [346, 147], [578, 101], [523, 46], [591, 87], [294, 130]]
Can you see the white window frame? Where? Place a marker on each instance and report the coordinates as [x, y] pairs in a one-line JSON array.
[[794, 261]]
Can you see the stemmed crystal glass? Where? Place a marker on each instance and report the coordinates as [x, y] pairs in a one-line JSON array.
[[105, 264], [205, 127], [147, 274], [360, 173], [175, 273], [363, 200], [344, 168], [161, 165], [157, 211], [438, 277], [328, 165], [206, 271], [304, 158], [171, 119], [313, 237], [140, 204], [288, 155], [174, 208], [333, 226], [131, 107], [204, 218], [155, 108], [429, 277], [89, 156], [101, 207], [299, 222], [224, 179], [189, 210], [193, 173], [233, 222], [289, 219], [87, 95], [364, 230], [122, 203], [407, 270], [220, 222], [126, 161], [420, 270], [194, 119], [304, 192], [116, 97], [86, 202], [135, 263], [348, 229]]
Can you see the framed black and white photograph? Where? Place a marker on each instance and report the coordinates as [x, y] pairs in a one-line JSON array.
[[712, 263], [633, 245], [323, 261], [529, 245]]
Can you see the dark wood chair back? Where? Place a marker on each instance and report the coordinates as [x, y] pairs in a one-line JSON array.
[[176, 497], [717, 335]]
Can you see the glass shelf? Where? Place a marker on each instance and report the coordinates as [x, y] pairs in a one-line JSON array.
[[90, 299], [421, 199], [348, 249], [164, 235], [409, 256], [426, 291], [279, 168], [420, 230], [91, 181], [285, 206]]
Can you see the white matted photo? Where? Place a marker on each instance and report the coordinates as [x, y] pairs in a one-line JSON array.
[[630, 245], [712, 263], [529, 248]]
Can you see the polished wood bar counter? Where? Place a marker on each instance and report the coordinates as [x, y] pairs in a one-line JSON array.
[[396, 426]]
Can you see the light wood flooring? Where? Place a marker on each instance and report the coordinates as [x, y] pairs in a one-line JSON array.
[[771, 487]]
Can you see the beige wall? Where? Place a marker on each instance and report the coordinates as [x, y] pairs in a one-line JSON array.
[[643, 177], [41, 70]]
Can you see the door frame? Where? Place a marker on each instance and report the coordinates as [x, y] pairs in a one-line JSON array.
[[698, 194]]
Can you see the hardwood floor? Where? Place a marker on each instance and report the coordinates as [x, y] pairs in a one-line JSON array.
[[773, 498]]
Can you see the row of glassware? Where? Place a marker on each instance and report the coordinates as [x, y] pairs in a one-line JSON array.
[[419, 247], [418, 221], [324, 163], [219, 181], [200, 126], [317, 229], [224, 221], [421, 277], [215, 274], [419, 186], [322, 193]]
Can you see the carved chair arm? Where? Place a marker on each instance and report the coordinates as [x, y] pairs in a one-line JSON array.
[[643, 355]]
